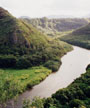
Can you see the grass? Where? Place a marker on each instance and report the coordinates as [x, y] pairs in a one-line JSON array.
[[32, 75], [14, 82]]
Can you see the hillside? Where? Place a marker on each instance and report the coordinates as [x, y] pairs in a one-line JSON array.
[[79, 37], [26, 56], [15, 33], [53, 27], [22, 46]]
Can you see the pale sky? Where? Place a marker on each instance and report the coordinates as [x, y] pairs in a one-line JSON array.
[[41, 8]]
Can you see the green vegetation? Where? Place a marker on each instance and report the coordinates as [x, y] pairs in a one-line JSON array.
[[23, 46], [18, 38], [23, 53], [55, 27], [79, 37], [52, 53], [76, 95], [36, 103], [14, 81]]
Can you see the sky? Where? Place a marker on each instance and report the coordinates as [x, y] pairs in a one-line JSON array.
[[42, 8]]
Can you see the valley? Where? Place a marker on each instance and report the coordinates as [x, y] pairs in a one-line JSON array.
[[67, 73], [37, 59]]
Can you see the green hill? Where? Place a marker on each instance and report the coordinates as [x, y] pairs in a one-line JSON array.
[[15, 33], [54, 27], [22, 46], [79, 37]]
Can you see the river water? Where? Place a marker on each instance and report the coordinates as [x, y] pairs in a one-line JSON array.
[[73, 65]]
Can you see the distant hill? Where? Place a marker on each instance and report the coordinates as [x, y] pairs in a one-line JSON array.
[[23, 46], [53, 27], [79, 37], [59, 16], [25, 17]]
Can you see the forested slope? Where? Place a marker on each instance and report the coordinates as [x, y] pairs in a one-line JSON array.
[[79, 37], [23, 46]]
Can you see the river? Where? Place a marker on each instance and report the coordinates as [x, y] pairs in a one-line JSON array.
[[73, 65]]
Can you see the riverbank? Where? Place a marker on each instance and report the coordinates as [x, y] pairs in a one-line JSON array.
[[76, 95], [73, 65], [14, 81]]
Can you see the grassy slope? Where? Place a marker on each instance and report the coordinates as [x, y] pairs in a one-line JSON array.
[[80, 37], [16, 33], [26, 43], [14, 81]]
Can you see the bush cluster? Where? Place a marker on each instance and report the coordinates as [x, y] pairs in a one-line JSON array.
[[26, 61]]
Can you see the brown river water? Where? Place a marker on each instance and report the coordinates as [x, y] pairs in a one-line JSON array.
[[73, 65]]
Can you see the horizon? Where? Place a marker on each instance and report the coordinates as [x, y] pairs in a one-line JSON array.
[[38, 9]]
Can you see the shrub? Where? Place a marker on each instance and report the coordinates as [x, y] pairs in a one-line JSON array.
[[36, 103], [61, 96], [23, 63], [76, 103], [48, 102], [53, 65], [87, 91], [7, 61]]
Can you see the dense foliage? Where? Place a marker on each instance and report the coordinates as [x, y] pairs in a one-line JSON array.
[[80, 37], [49, 57]]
